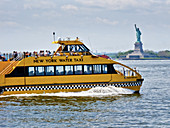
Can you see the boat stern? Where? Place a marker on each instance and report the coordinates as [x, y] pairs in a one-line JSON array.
[[2, 82]]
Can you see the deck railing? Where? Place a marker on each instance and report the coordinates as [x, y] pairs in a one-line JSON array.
[[10, 66]]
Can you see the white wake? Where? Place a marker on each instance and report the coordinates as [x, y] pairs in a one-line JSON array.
[[94, 92]]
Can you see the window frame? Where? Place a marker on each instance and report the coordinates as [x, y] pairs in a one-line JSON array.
[[25, 70], [94, 68], [43, 67], [91, 69], [33, 70], [103, 68]]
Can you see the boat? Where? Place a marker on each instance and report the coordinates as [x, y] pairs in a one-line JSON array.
[[71, 68]]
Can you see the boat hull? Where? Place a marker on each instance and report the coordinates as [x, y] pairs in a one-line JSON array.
[[40, 89]]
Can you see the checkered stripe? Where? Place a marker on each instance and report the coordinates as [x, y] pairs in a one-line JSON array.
[[74, 86], [128, 84]]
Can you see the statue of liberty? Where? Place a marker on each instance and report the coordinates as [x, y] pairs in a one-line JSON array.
[[138, 33]]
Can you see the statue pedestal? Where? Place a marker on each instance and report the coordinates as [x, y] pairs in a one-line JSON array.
[[138, 51], [138, 47]]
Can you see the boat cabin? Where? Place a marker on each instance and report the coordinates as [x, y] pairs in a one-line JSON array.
[[71, 47]]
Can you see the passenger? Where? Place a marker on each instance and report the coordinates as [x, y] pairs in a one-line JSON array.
[[10, 55], [26, 54], [41, 53], [71, 53], [15, 54], [23, 55], [48, 53], [135, 68], [20, 54], [36, 54], [135, 71], [57, 72], [124, 72], [77, 38], [57, 54], [3, 58], [0, 56], [29, 55], [54, 53], [7, 56]]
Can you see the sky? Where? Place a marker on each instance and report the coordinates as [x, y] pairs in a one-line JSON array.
[[103, 25]]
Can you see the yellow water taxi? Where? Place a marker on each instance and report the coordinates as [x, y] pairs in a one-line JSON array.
[[71, 68]]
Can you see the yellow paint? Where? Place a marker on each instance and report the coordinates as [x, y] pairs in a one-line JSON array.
[[68, 79], [71, 42], [63, 60], [2, 79], [14, 81], [4, 64]]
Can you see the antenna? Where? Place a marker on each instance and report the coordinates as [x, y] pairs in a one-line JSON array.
[[90, 44], [54, 35]]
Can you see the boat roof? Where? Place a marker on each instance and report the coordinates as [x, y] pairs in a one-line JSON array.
[[68, 42]]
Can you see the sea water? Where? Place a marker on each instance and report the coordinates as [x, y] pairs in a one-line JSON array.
[[98, 107]]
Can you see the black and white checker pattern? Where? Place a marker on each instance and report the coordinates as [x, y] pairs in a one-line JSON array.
[[71, 86]]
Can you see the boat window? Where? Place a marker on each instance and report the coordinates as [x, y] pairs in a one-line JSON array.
[[39, 71], [31, 71], [49, 70], [17, 72], [111, 69], [59, 70], [104, 69], [79, 48], [76, 48], [97, 69], [78, 69], [72, 48], [84, 48], [65, 48], [87, 69], [68, 70]]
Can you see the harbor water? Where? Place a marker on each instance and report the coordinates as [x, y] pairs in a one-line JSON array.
[[98, 107]]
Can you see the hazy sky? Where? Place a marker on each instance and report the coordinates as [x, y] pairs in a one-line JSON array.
[[103, 25]]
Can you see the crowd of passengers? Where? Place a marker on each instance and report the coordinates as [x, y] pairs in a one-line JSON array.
[[19, 55]]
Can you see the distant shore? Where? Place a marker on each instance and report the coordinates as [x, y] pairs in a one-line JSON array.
[[161, 55]]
